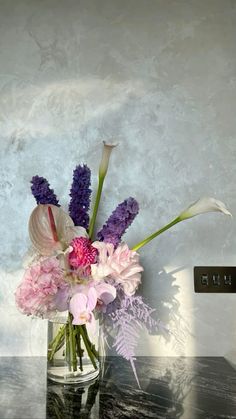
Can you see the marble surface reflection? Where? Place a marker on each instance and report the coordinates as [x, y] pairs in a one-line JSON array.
[[187, 388]]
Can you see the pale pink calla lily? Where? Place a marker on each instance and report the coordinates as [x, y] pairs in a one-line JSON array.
[[82, 306]]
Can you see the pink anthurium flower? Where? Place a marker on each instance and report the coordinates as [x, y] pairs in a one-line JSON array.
[[82, 306]]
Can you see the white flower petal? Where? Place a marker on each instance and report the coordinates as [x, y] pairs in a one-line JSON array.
[[107, 149], [74, 231], [204, 205]]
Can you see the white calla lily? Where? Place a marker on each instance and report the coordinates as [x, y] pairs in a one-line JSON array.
[[203, 205], [107, 149]]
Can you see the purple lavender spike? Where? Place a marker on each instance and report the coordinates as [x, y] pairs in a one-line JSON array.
[[80, 196], [119, 221], [42, 192]]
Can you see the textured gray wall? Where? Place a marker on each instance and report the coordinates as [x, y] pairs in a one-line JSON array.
[[159, 76]]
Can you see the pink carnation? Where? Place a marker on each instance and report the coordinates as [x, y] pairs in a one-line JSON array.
[[82, 255], [121, 265], [42, 284]]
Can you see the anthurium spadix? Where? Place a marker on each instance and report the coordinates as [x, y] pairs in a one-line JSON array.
[[203, 205], [51, 229]]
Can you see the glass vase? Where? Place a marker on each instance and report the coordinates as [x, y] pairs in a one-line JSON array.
[[72, 351]]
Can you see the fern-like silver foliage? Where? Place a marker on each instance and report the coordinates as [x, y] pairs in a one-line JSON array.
[[128, 317]]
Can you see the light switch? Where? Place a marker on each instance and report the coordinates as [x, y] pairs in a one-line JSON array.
[[215, 279], [204, 279], [227, 280]]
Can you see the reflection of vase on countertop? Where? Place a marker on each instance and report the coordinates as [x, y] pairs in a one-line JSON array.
[[77, 401]]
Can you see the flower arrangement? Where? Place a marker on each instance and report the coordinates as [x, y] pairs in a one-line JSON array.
[[89, 275]]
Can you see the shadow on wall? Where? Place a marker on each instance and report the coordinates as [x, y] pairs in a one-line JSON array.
[[161, 294]]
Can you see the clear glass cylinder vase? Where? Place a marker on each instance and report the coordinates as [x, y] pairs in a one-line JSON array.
[[72, 351]]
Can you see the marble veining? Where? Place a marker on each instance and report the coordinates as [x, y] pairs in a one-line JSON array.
[[186, 388]]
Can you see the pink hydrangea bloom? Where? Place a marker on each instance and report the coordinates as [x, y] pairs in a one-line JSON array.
[[82, 255], [41, 286], [121, 265]]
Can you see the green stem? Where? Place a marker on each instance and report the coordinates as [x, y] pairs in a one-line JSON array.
[[55, 344], [79, 349], [72, 335], [56, 338], [72, 344], [92, 346], [157, 233], [68, 352], [96, 205], [88, 348]]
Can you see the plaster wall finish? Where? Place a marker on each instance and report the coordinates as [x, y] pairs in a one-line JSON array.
[[159, 77]]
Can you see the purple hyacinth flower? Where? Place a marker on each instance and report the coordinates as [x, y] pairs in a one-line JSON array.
[[118, 222], [42, 192], [80, 196]]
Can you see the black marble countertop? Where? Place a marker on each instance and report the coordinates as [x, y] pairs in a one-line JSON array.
[[187, 388]]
